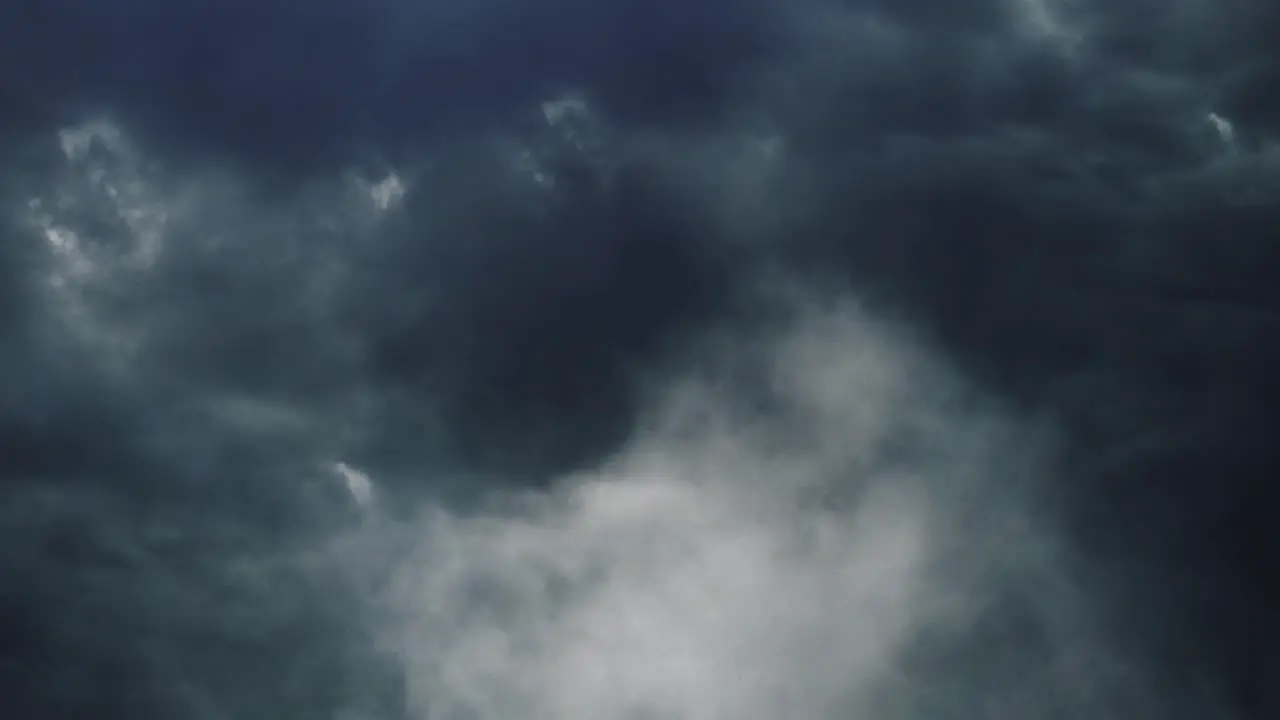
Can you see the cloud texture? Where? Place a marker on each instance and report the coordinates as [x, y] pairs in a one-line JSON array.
[[635, 360]]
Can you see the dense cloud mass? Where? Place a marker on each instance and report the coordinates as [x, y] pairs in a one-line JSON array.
[[614, 360]]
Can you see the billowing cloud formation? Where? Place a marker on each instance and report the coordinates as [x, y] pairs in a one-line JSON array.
[[814, 553], [370, 360]]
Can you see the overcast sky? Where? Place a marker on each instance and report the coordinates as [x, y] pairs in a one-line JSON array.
[[638, 359]]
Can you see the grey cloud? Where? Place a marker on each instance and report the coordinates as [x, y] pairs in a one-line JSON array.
[[712, 568], [1037, 190]]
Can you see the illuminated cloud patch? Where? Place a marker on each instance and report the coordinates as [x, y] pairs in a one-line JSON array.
[[817, 559]]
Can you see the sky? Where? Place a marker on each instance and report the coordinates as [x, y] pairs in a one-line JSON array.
[[822, 359]]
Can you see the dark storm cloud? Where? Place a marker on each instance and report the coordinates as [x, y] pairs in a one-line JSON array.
[[312, 85], [190, 361], [1083, 218], [1075, 201]]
